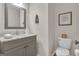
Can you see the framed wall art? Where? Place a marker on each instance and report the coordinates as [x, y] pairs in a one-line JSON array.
[[65, 19]]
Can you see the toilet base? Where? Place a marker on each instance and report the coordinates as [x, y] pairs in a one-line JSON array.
[[55, 54]]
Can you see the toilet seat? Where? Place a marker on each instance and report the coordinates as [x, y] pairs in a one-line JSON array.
[[62, 52]]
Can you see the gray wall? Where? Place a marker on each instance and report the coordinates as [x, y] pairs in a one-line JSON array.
[[51, 27], [70, 30]]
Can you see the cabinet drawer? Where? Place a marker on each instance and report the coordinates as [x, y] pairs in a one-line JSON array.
[[14, 43], [27, 49], [30, 49], [18, 51]]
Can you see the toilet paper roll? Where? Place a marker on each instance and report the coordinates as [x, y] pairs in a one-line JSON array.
[[77, 52]]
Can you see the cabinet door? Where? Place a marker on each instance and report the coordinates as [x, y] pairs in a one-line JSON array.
[[30, 49], [19, 51]]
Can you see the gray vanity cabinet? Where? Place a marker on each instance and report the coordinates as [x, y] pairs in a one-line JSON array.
[[20, 47], [30, 49], [19, 51]]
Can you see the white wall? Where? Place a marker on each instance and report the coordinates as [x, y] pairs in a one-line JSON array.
[[40, 29], [70, 30]]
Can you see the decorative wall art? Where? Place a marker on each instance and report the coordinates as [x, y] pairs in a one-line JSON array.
[[36, 19], [65, 19]]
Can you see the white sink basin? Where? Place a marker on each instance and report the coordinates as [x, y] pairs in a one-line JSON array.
[[8, 36]]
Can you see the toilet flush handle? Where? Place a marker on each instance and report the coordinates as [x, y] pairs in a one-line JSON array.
[[76, 42]]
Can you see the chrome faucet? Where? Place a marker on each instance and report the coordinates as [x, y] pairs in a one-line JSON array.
[[17, 32]]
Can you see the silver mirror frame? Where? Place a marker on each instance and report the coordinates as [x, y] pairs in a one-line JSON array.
[[6, 19]]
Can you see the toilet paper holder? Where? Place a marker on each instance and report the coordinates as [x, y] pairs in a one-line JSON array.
[[76, 42]]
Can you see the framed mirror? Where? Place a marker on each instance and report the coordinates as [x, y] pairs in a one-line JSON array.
[[15, 17]]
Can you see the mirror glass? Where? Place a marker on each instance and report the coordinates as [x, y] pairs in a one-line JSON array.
[[15, 17]]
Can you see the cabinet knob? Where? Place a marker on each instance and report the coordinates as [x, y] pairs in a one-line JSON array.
[[26, 46]]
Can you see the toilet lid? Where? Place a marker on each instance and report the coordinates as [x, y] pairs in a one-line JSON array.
[[62, 52]]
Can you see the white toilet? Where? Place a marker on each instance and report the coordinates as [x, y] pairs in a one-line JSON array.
[[64, 47]]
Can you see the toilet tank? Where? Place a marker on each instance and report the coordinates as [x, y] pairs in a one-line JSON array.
[[65, 43]]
